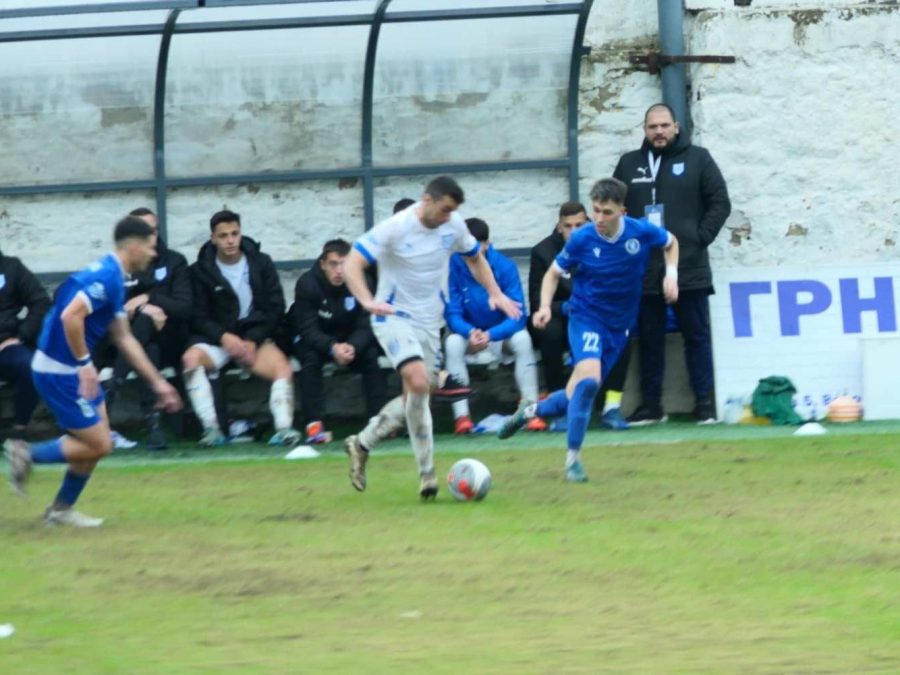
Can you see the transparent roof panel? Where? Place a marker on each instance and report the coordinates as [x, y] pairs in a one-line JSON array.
[[315, 8], [444, 91], [397, 6], [81, 111], [271, 100], [77, 21], [40, 5]]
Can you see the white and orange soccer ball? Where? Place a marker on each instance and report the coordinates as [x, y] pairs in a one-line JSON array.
[[469, 480], [844, 409]]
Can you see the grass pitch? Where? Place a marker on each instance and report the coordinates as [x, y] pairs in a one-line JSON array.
[[711, 550]]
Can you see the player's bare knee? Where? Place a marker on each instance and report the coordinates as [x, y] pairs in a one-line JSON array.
[[102, 446], [191, 359]]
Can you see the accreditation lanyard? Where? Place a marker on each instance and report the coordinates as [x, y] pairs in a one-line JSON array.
[[654, 163]]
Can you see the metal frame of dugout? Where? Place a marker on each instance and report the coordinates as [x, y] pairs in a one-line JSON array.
[[365, 171]]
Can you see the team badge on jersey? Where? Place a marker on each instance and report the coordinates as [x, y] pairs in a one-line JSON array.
[[632, 246], [447, 240], [2, 280], [349, 303], [160, 273], [596, 251], [678, 168], [96, 291]]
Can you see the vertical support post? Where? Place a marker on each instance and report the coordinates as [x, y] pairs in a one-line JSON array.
[[578, 52], [674, 75], [367, 104], [159, 121]]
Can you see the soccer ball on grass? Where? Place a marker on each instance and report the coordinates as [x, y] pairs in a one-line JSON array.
[[469, 480]]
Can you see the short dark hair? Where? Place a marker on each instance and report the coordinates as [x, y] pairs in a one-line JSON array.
[[224, 216], [479, 229], [142, 211], [339, 246], [609, 190], [403, 204], [571, 209], [444, 186], [660, 106], [132, 227]]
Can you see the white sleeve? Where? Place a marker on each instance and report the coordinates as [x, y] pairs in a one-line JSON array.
[[464, 242], [374, 242]]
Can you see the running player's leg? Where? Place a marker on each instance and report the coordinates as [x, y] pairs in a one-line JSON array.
[[271, 364], [416, 387]]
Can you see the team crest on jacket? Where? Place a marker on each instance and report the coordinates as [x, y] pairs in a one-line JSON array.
[[447, 240], [632, 246], [349, 303], [2, 280], [160, 273], [678, 168]]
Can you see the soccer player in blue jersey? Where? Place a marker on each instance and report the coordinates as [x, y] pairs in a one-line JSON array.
[[89, 304], [607, 260]]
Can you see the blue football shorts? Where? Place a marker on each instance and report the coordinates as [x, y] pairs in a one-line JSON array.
[[60, 393], [590, 339]]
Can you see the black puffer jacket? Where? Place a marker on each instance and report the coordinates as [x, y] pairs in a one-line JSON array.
[[20, 288], [323, 314], [542, 256], [216, 306], [695, 198], [167, 281]]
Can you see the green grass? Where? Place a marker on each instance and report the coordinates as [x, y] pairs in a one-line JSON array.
[[716, 550]]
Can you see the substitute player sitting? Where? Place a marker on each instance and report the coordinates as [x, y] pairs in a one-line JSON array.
[[87, 305], [607, 260]]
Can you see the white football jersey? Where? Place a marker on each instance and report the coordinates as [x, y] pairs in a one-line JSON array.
[[413, 261]]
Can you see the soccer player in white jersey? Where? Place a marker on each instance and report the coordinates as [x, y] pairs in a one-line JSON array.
[[87, 305], [412, 250], [607, 260]]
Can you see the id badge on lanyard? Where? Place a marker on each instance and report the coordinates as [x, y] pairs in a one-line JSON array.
[[653, 212]]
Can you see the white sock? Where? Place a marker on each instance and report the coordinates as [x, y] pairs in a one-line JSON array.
[[572, 456], [418, 420], [455, 361], [388, 420], [525, 365], [281, 404], [200, 392]]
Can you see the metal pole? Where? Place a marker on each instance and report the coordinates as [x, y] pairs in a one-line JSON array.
[[674, 75], [367, 103], [159, 123], [578, 51]]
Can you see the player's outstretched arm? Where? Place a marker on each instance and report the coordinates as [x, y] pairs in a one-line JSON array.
[[127, 344], [670, 281], [354, 275], [549, 284], [480, 269]]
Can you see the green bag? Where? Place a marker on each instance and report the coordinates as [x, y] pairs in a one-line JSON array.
[[773, 398]]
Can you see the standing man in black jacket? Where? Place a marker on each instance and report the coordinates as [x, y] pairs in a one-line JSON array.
[[159, 304], [678, 186], [326, 323], [19, 289], [238, 310]]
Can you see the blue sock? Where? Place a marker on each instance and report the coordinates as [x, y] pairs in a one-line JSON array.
[[70, 490], [48, 452], [579, 414], [554, 405]]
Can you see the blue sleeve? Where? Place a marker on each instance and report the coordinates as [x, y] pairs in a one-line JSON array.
[[511, 285], [568, 257], [453, 312], [653, 235]]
